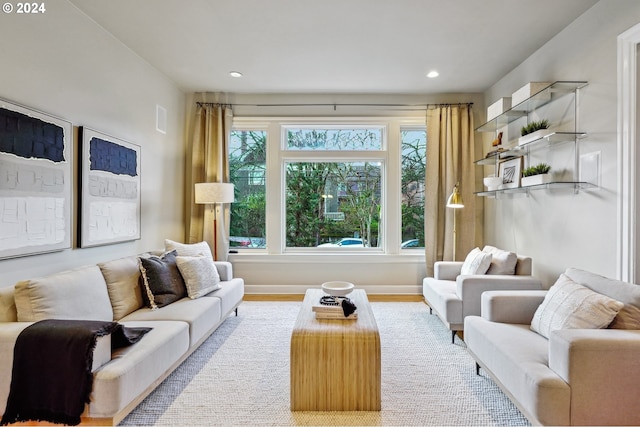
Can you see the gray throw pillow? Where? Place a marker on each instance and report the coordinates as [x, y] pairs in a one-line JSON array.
[[163, 283]]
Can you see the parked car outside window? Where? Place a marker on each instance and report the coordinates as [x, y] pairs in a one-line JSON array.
[[349, 242]]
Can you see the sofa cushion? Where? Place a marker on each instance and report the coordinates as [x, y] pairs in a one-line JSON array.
[[502, 262], [200, 314], [569, 305], [628, 293], [476, 262], [138, 367], [8, 311], [163, 283], [188, 249], [200, 275], [230, 294], [123, 285], [74, 294]]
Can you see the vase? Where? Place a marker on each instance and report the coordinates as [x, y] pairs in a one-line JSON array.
[[539, 134], [542, 178]]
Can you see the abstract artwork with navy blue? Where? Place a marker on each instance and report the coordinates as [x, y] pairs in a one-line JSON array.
[[110, 157], [29, 137]]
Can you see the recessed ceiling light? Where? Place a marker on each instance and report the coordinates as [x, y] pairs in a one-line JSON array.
[[235, 73], [433, 74]]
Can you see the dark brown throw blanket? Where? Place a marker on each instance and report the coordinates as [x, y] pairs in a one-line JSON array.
[[52, 360]]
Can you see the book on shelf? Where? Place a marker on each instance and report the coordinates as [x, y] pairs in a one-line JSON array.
[[335, 315]]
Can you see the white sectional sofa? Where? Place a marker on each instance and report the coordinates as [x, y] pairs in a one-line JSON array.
[[111, 291], [581, 374]]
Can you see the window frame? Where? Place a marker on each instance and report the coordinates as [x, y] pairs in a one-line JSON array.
[[278, 155]]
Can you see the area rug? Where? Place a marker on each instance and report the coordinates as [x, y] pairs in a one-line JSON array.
[[240, 377]]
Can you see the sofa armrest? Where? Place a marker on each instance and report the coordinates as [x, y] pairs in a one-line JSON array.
[[225, 270], [601, 367], [511, 306], [447, 270], [9, 332], [470, 288]]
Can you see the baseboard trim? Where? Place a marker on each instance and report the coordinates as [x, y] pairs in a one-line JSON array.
[[300, 297], [300, 289]]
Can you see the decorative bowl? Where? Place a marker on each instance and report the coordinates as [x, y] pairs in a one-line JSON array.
[[337, 288]]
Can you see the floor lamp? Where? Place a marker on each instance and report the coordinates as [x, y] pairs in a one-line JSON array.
[[214, 193], [455, 202]]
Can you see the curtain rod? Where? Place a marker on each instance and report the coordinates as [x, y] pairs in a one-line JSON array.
[[335, 105]]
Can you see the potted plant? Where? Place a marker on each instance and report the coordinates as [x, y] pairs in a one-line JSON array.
[[535, 175], [532, 131]]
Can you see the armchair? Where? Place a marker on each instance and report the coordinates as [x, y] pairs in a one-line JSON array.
[[454, 296]]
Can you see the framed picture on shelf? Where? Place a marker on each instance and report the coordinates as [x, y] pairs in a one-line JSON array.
[[510, 171], [109, 189]]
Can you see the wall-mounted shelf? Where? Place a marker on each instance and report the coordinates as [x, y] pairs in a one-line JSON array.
[[523, 110], [529, 105], [521, 150], [576, 186]]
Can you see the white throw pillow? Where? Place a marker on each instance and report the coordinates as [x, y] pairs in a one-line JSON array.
[[75, 294], [123, 285], [502, 262], [188, 249], [569, 305], [476, 262], [200, 275]]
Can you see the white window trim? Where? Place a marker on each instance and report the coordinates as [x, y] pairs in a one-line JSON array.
[[275, 182]]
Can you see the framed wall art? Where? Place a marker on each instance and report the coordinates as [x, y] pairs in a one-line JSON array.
[[109, 189], [35, 181], [510, 171]]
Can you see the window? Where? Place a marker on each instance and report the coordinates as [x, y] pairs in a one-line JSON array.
[[413, 154], [368, 138], [326, 202], [323, 186], [330, 201], [247, 165]]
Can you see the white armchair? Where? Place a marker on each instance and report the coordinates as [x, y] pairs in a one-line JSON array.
[[453, 296]]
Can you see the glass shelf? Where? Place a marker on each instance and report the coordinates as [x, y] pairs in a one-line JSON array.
[[547, 186], [521, 150], [525, 107]]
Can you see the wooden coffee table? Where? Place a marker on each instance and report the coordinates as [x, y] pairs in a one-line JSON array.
[[335, 364]]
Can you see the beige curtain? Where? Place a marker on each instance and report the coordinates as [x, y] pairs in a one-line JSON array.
[[208, 155], [450, 157]]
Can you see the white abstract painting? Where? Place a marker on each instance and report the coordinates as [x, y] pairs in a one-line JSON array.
[[110, 190], [35, 182]]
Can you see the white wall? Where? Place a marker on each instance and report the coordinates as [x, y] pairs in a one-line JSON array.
[[561, 230], [63, 63]]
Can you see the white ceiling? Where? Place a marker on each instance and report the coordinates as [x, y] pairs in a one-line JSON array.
[[334, 46]]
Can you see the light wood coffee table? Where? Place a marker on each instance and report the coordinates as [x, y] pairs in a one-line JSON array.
[[335, 364]]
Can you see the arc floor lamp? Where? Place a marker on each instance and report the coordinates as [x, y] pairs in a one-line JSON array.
[[214, 194], [455, 202]]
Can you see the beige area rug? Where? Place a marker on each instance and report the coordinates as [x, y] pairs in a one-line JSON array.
[[240, 377]]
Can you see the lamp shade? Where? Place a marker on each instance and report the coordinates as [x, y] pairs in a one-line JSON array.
[[455, 199], [214, 192]]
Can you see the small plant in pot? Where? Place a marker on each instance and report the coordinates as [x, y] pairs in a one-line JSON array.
[[538, 174], [533, 131]]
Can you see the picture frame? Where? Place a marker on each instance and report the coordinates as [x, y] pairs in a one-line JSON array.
[[36, 157], [110, 193], [510, 172]]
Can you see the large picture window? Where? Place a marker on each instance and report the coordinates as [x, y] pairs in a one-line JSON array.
[[332, 204], [327, 186]]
